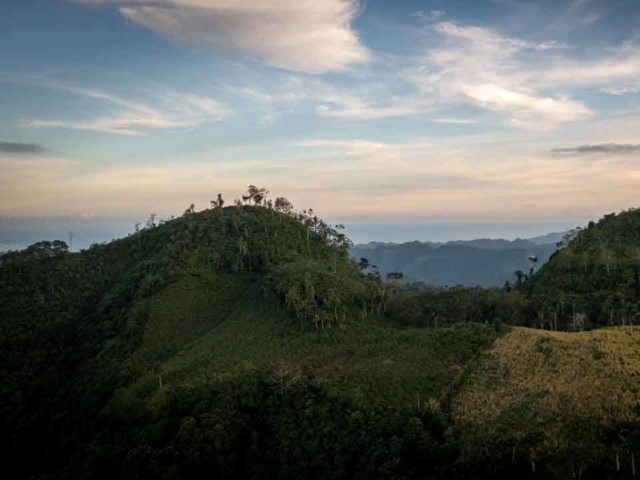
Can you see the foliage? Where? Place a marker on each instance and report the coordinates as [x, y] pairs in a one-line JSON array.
[[594, 280], [243, 342], [562, 400]]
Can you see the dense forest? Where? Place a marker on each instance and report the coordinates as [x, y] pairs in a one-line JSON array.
[[243, 342]]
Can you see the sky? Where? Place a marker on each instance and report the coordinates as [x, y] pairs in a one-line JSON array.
[[416, 119]]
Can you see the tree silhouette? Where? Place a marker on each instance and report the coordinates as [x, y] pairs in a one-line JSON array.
[[71, 237], [364, 264], [255, 194], [190, 210], [218, 202]]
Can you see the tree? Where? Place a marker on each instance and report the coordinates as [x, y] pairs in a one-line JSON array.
[[218, 202], [283, 205], [71, 237], [190, 210], [519, 275], [255, 194], [364, 264], [151, 222], [395, 277]]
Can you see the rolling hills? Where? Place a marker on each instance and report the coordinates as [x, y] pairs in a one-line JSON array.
[[241, 342]]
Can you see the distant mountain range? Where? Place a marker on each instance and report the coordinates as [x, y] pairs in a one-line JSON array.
[[484, 262]]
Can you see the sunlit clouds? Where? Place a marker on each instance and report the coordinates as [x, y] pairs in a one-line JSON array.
[[302, 35]]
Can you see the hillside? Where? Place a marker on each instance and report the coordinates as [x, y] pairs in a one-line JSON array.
[[482, 262], [533, 387], [242, 342], [595, 278], [114, 357]]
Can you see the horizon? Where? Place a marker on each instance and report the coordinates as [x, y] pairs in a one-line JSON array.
[[421, 120], [19, 233]]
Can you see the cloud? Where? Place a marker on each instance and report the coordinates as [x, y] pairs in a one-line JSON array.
[[369, 111], [417, 177], [425, 17], [303, 35], [454, 121], [172, 110], [618, 91], [478, 66], [21, 148], [365, 103], [616, 72], [348, 147], [589, 18], [368, 148], [578, 14], [603, 148]]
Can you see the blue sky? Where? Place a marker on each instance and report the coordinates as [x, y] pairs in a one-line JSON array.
[[405, 119]]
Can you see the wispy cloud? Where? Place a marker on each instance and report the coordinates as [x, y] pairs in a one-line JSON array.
[[454, 121], [599, 149], [426, 17], [21, 148], [616, 71], [415, 177], [304, 35], [589, 18], [348, 147], [133, 118], [478, 66], [578, 14], [370, 111]]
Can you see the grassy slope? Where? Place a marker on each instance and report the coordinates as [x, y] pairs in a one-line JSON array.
[[551, 390], [223, 327]]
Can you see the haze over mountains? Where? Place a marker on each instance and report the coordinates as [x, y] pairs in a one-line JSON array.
[[482, 262]]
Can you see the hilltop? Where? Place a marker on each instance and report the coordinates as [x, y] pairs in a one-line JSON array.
[[241, 341]]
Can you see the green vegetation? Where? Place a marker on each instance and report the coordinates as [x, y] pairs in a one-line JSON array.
[[570, 399], [243, 342], [594, 279]]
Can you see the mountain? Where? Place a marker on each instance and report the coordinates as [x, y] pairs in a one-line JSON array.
[[483, 262], [550, 238], [242, 342]]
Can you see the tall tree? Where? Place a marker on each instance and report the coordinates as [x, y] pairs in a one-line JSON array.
[[71, 237]]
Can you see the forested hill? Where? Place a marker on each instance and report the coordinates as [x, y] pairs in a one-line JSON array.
[[242, 342], [482, 262], [596, 275]]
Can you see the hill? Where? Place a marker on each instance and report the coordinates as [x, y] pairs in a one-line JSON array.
[[539, 394], [594, 279], [548, 239], [242, 342], [481, 262], [191, 347]]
